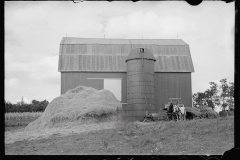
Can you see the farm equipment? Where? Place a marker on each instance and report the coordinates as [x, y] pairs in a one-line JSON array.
[[148, 117], [151, 117]]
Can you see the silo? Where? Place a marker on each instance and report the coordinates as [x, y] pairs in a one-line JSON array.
[[140, 83]]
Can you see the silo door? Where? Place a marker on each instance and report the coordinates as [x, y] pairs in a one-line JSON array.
[[115, 86]]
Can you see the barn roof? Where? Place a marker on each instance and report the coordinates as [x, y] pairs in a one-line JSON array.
[[109, 55], [137, 54], [74, 40]]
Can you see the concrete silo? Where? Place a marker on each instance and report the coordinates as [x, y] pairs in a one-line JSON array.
[[140, 83]]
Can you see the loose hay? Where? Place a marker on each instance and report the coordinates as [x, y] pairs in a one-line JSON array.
[[207, 112], [76, 105], [193, 113]]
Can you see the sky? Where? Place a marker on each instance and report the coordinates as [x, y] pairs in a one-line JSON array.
[[33, 31]]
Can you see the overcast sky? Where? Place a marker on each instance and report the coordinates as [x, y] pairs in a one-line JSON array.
[[33, 31]]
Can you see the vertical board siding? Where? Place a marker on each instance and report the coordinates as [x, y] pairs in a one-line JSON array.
[[172, 84], [162, 87], [71, 80], [95, 83], [68, 65]]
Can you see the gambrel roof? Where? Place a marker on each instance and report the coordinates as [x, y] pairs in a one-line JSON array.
[[109, 55]]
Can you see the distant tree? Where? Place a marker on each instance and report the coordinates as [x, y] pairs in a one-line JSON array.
[[224, 91], [200, 97], [211, 95], [34, 106], [231, 89], [8, 106], [224, 87], [213, 88], [208, 93], [194, 99], [231, 93], [39, 106], [35, 102]]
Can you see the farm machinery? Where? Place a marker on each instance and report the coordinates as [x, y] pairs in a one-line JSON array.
[[165, 114]]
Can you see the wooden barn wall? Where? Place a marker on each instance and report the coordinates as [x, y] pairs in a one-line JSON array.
[[167, 85], [172, 85], [70, 80]]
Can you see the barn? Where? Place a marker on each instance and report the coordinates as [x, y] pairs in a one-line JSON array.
[[102, 64]]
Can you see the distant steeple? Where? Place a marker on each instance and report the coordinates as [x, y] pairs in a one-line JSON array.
[[22, 100]]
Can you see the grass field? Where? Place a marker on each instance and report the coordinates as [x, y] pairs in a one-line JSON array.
[[201, 136]]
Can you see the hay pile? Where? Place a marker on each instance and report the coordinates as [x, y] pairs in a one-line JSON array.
[[76, 105], [201, 112], [207, 112], [193, 113]]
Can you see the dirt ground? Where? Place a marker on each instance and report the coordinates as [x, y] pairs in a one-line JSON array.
[[193, 137]]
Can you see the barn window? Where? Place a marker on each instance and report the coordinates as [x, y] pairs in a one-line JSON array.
[[141, 50]]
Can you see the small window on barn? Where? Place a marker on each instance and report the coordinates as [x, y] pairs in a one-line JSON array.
[[141, 50]]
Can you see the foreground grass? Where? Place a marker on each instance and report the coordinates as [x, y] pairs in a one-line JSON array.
[[203, 136]]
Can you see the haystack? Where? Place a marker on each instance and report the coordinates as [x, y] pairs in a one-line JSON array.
[[76, 105]]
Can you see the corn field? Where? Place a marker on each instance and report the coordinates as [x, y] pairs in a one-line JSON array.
[[20, 119]]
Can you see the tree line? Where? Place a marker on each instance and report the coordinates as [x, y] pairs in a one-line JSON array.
[[34, 106], [223, 93]]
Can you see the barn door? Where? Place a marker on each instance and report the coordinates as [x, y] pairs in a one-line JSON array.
[[115, 86]]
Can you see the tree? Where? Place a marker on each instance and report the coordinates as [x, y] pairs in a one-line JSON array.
[[194, 99], [8, 106], [200, 97], [213, 91], [231, 89], [208, 93], [211, 95], [225, 88], [225, 91], [35, 102], [213, 88], [231, 93]]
